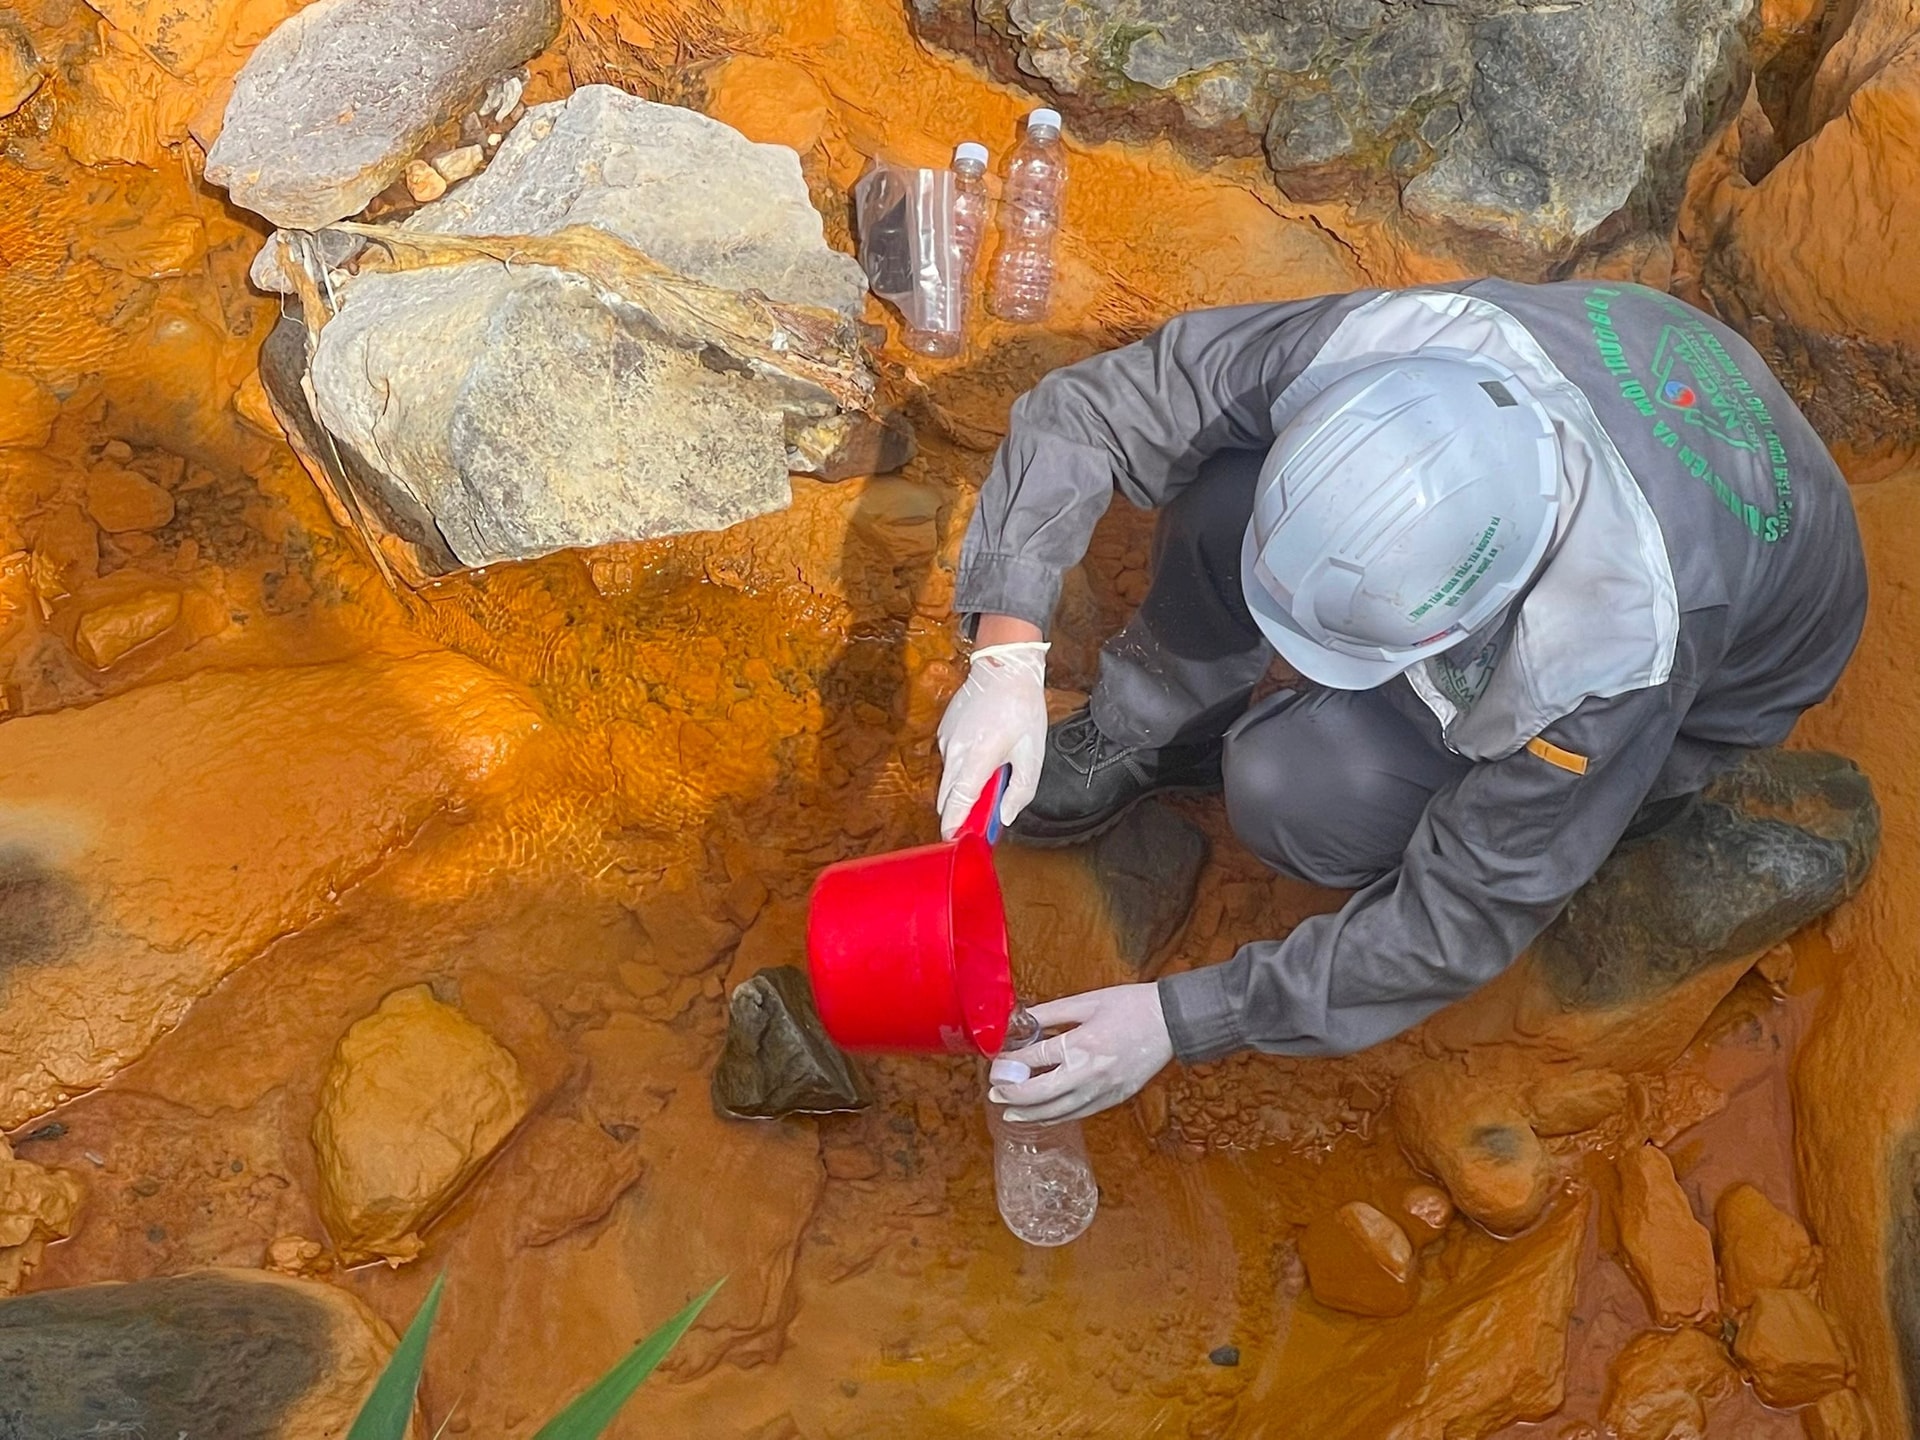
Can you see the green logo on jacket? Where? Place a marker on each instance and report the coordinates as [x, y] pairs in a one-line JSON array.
[[1694, 393]]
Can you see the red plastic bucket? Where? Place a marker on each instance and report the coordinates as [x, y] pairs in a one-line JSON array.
[[908, 951]]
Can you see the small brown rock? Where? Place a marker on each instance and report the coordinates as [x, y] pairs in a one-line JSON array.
[[36, 1205], [1474, 1139], [1572, 1103], [297, 1255], [1669, 1251], [109, 631], [1424, 1212], [459, 164], [1786, 1344], [1776, 966], [424, 183], [1659, 1387], [416, 1099], [1838, 1415], [1360, 1261], [119, 499], [1761, 1248]]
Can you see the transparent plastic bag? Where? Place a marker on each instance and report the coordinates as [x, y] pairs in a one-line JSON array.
[[910, 249]]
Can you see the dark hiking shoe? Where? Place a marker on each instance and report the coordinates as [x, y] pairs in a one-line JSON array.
[[1087, 782]]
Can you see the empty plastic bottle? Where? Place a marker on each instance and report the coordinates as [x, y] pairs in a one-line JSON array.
[[1029, 220], [949, 287], [970, 202], [1042, 1178]]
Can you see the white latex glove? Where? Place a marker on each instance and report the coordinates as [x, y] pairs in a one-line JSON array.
[[1118, 1043], [998, 717]]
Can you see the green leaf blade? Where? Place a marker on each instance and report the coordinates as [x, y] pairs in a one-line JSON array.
[[593, 1409], [388, 1411]]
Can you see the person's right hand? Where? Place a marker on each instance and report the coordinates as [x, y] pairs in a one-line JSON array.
[[999, 717]]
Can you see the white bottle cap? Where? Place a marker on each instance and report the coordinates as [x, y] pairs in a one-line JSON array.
[[970, 150], [1009, 1072], [1048, 118]]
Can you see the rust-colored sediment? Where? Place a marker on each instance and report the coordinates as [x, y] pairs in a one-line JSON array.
[[579, 798]]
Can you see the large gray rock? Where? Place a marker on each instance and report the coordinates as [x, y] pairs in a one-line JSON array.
[[1519, 131], [684, 190], [525, 413], [1773, 844], [687, 343], [778, 1060], [231, 1353], [1563, 131], [329, 109]]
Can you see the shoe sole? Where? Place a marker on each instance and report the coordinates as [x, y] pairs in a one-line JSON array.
[[1104, 824]]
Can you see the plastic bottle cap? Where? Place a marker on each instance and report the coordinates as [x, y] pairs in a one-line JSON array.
[[970, 150], [1048, 118], [1009, 1072]]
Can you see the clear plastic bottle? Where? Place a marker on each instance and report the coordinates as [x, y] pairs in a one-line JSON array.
[[965, 223], [970, 203], [1029, 220], [1042, 1178]]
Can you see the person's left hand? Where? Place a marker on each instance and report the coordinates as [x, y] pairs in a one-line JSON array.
[[1118, 1042]]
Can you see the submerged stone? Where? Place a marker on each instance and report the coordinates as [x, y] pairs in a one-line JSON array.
[[778, 1059], [1837, 1415], [416, 1100], [1668, 1250], [1148, 867], [1485, 1349], [238, 1354], [1473, 1138], [1787, 1345], [151, 843], [1659, 1387], [1776, 842], [1359, 1260], [331, 107], [1761, 1247]]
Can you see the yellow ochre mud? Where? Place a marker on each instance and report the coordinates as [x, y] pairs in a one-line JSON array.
[[579, 799]]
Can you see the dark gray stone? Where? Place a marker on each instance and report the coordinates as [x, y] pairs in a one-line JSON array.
[[1148, 867], [332, 105], [778, 1060], [1307, 131], [1545, 129], [1584, 113], [1772, 845], [202, 1354]]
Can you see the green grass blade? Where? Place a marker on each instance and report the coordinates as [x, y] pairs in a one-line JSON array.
[[593, 1409], [389, 1408]]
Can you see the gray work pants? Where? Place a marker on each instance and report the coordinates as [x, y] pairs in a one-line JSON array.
[[1325, 785]]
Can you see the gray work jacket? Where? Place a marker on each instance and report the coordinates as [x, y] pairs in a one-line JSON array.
[[1766, 564]]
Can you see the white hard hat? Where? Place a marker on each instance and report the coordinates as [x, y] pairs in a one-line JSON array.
[[1399, 510]]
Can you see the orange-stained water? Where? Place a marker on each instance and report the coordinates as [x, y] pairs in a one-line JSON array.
[[713, 719]]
